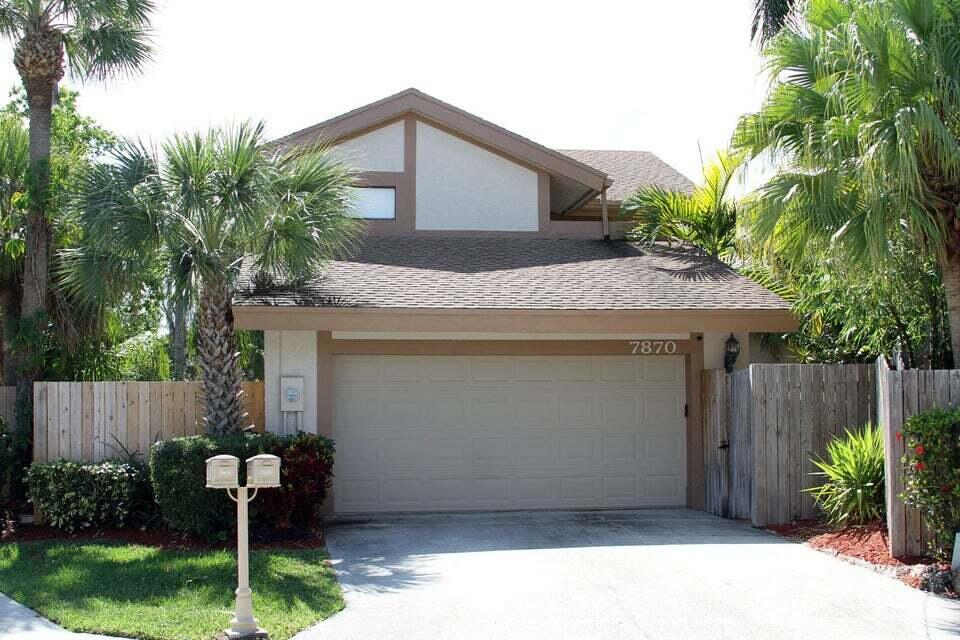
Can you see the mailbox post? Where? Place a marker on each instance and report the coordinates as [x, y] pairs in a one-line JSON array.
[[263, 471]]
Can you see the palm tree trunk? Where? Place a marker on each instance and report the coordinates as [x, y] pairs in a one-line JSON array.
[[8, 325], [177, 321], [37, 236], [951, 287], [219, 359]]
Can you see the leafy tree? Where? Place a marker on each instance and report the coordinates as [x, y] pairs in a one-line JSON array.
[[705, 218], [97, 39], [850, 312], [212, 204], [76, 140], [863, 121]]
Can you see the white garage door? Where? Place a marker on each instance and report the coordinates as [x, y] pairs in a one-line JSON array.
[[430, 433]]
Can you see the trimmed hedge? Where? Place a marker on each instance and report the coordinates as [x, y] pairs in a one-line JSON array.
[[178, 476], [74, 495]]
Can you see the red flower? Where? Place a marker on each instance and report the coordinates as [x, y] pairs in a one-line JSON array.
[[919, 466], [947, 488], [920, 450], [899, 435]]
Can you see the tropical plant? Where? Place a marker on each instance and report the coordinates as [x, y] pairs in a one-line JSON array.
[[94, 39], [932, 474], [849, 312], [863, 123], [769, 17], [705, 218], [212, 204], [852, 492]]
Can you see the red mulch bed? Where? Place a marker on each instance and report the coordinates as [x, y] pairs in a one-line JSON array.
[[868, 542], [163, 539]]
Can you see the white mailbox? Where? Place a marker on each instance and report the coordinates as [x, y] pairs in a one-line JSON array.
[[291, 393], [222, 472], [263, 471]]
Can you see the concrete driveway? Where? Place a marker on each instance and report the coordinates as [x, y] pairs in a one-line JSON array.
[[660, 573]]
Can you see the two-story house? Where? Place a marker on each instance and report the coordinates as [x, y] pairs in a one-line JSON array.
[[492, 344]]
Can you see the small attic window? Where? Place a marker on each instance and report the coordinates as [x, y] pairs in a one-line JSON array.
[[376, 203]]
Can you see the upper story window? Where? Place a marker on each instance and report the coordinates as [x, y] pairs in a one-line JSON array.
[[376, 203]]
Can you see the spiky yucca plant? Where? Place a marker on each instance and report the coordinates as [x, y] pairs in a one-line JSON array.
[[852, 492]]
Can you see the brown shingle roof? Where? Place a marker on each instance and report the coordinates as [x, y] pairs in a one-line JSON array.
[[631, 170], [445, 272]]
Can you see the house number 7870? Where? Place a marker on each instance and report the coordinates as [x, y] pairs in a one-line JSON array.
[[653, 347]]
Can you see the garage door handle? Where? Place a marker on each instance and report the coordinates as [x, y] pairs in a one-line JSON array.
[[723, 445]]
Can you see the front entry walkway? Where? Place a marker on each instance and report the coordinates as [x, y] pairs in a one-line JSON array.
[[659, 573], [17, 622]]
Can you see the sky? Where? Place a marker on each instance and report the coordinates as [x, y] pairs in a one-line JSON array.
[[667, 77]]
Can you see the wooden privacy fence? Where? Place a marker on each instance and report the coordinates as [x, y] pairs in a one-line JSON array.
[[762, 426], [93, 421], [8, 405], [903, 394]]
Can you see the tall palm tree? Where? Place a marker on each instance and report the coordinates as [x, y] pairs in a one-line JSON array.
[[705, 218], [863, 121], [208, 205], [769, 17], [91, 38]]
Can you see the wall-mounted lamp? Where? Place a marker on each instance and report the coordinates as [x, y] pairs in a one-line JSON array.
[[731, 353]]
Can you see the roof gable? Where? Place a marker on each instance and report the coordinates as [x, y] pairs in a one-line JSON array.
[[462, 122]]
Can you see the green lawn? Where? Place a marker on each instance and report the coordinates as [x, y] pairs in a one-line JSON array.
[[144, 592]]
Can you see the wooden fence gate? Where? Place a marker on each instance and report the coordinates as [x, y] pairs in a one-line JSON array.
[[763, 425]]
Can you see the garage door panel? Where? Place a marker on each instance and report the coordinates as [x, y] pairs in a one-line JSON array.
[[412, 437], [492, 370], [619, 408], [618, 370], [576, 370], [439, 369], [619, 448], [662, 370]]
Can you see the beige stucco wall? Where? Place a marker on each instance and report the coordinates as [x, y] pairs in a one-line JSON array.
[[290, 353], [462, 187], [377, 150]]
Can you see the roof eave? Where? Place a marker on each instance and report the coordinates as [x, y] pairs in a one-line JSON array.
[[512, 320]]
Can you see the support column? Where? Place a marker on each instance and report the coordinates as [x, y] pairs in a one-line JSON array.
[[325, 398]]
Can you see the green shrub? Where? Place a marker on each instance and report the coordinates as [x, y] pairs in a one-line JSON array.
[[932, 473], [74, 495], [178, 476], [853, 488]]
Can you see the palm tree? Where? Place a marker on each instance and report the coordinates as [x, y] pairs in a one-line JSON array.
[[208, 206], [705, 218], [863, 120], [769, 17], [93, 38]]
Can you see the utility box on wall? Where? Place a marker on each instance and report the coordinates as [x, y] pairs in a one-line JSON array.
[[291, 393]]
